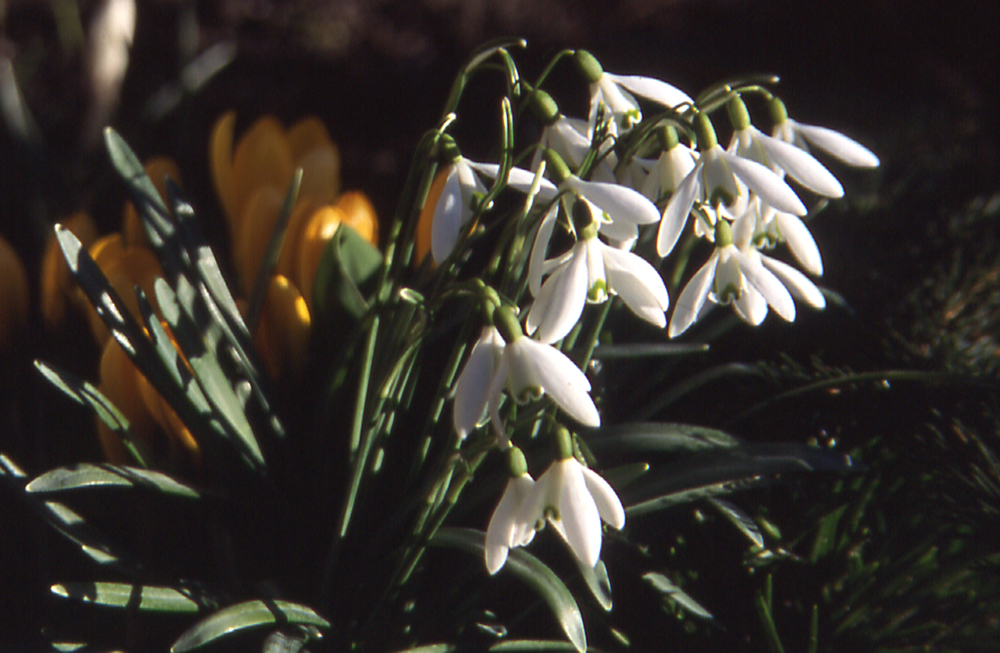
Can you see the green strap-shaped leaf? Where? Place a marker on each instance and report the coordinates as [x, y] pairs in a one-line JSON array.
[[524, 645], [598, 582], [652, 437], [86, 394], [87, 475], [670, 591], [531, 571], [345, 276], [145, 598], [740, 520], [244, 616]]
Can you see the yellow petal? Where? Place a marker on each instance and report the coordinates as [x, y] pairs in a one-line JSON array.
[[262, 158], [256, 226], [220, 156], [288, 258], [13, 294], [360, 215], [285, 330], [315, 238], [320, 174], [119, 383]]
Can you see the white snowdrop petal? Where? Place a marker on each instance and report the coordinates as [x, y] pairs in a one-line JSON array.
[[578, 513], [838, 146], [802, 167], [692, 298], [652, 185], [448, 218], [771, 188], [796, 282], [801, 242], [619, 202], [519, 179], [540, 248], [653, 89], [768, 285], [473, 383], [503, 524], [609, 506], [638, 284], [561, 299], [561, 379], [676, 213], [751, 307], [495, 397]]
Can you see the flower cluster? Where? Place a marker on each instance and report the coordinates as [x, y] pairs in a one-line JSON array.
[[607, 198]]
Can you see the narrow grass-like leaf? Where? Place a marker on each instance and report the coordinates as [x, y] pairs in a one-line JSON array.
[[84, 393], [86, 475], [740, 520], [646, 350], [145, 598], [263, 278], [675, 594], [525, 645], [653, 437], [767, 621], [244, 616], [430, 648], [531, 571], [598, 582]]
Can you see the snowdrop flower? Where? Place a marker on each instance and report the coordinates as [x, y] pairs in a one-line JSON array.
[[749, 143], [505, 520], [570, 138], [717, 179], [458, 200], [778, 226], [617, 92], [670, 169], [471, 396], [620, 209], [735, 274], [574, 500], [505, 359], [834, 143], [589, 272]]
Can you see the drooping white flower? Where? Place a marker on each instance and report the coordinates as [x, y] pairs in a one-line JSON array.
[[785, 227], [784, 158], [619, 209], [462, 191], [616, 93], [471, 396], [574, 500], [570, 138], [718, 178], [675, 162], [589, 272], [526, 369], [840, 147], [733, 274], [504, 523]]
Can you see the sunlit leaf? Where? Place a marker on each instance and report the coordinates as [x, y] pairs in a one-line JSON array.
[[145, 598], [530, 570], [86, 475], [673, 593], [245, 616]]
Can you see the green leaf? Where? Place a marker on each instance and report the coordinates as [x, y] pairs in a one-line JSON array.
[[346, 276], [86, 475], [245, 616], [598, 582], [86, 394], [145, 598], [654, 437], [519, 645], [740, 520], [673, 593], [430, 648], [531, 571]]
